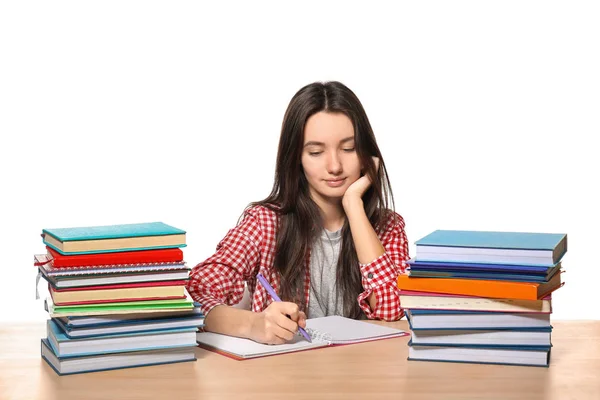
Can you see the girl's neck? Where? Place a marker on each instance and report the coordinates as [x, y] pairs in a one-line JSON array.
[[332, 213]]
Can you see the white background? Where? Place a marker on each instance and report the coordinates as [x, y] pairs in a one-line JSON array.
[[487, 114]]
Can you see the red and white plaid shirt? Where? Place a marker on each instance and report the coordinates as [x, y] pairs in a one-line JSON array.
[[249, 249]]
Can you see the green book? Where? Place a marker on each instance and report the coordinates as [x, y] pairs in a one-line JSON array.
[[129, 307]]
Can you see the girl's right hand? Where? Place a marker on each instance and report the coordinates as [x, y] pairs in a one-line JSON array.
[[278, 323]]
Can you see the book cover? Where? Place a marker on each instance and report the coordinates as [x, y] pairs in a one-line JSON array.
[[63, 346], [77, 322], [495, 275], [132, 307], [106, 362], [479, 267], [113, 231], [481, 288], [132, 326], [60, 282], [127, 257], [113, 238], [518, 355], [492, 338], [118, 293], [494, 240], [178, 284], [414, 300], [46, 266], [452, 319], [492, 247]]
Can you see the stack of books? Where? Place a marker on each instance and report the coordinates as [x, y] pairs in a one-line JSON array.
[[483, 297], [117, 298]]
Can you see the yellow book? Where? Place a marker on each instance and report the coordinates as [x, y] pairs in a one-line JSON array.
[[117, 293]]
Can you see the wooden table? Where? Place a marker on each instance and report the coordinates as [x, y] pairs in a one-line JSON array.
[[373, 370]]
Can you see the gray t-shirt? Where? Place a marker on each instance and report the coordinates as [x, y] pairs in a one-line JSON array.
[[324, 299]]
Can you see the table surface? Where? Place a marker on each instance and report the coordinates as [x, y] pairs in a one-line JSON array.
[[360, 371]]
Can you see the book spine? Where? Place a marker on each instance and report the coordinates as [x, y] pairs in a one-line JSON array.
[[479, 288], [131, 257]]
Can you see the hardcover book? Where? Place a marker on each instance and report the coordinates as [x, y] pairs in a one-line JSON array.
[[105, 362], [524, 248], [481, 288], [440, 301], [126, 257], [64, 346], [119, 292], [529, 356], [113, 238]]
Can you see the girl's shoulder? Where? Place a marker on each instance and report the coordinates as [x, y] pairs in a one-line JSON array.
[[390, 221], [266, 216]]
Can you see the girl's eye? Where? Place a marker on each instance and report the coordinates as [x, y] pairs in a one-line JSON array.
[[349, 150], [315, 153]]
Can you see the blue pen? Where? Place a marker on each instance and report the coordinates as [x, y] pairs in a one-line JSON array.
[[266, 285]]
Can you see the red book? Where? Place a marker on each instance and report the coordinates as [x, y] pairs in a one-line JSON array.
[[127, 257], [120, 286]]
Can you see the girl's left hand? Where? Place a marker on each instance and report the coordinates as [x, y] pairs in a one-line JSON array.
[[358, 188]]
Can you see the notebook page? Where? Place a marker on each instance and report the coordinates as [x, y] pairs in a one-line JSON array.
[[246, 348], [338, 330]]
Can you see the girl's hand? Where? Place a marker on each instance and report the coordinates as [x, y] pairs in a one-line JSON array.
[[278, 323], [358, 188]]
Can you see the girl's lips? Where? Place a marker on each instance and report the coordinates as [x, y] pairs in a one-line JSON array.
[[335, 182]]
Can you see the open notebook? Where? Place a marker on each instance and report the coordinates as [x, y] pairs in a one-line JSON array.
[[324, 331]]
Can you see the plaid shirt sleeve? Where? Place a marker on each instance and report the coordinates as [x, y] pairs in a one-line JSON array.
[[220, 279], [380, 275]]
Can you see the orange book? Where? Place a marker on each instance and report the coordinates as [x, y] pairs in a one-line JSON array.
[[482, 288]]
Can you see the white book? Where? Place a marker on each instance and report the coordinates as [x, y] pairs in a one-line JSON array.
[[510, 356], [116, 279], [427, 319], [459, 337], [324, 331], [437, 301], [103, 362], [519, 248]]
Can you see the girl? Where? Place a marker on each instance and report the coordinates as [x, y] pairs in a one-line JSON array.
[[324, 238]]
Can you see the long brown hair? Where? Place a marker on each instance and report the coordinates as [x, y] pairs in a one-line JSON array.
[[300, 220]]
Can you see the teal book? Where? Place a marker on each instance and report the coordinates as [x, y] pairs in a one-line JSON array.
[[512, 355], [512, 248], [64, 346], [110, 361], [114, 238]]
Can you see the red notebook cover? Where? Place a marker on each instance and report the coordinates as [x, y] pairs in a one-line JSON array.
[[81, 303], [127, 257]]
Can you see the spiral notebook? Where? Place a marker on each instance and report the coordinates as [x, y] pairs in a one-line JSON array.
[[324, 331]]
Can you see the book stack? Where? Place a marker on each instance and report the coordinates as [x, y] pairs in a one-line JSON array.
[[117, 298], [483, 297]]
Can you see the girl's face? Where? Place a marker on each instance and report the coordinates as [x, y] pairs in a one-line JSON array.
[[329, 157]]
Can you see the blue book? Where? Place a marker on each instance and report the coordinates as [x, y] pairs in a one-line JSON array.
[[464, 266], [531, 337], [114, 238], [105, 362], [515, 355], [65, 347], [121, 326], [513, 248], [486, 275]]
